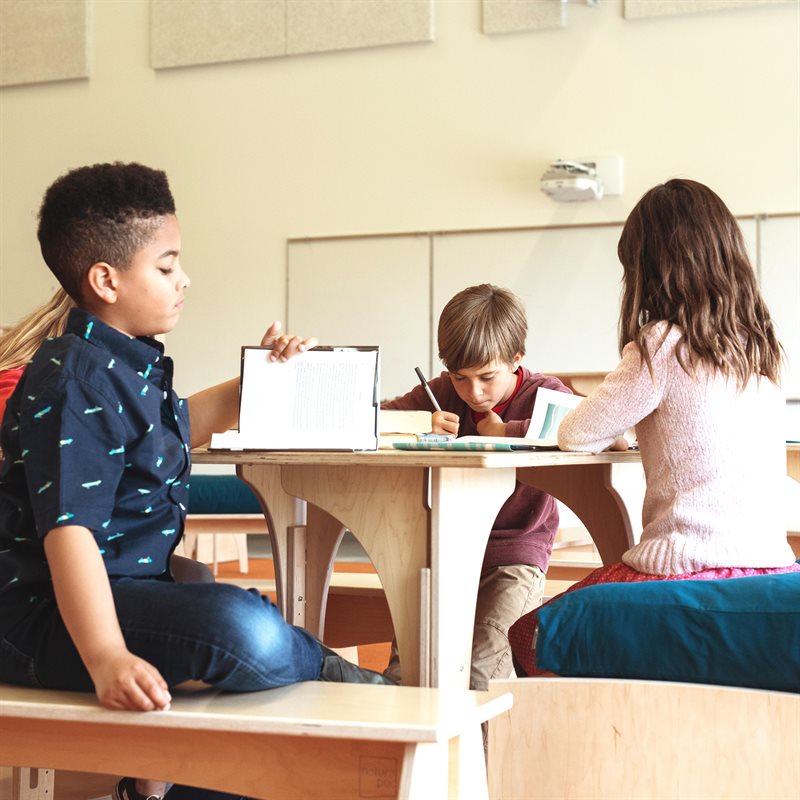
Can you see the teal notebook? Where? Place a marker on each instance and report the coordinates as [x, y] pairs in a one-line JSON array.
[[491, 443]]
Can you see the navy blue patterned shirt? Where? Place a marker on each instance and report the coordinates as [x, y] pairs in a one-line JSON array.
[[95, 436]]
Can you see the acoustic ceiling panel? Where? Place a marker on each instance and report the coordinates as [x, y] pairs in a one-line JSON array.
[[314, 26], [43, 40], [188, 32], [509, 16], [636, 9]]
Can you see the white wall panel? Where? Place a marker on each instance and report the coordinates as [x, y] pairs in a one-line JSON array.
[[365, 291], [569, 280], [780, 285]]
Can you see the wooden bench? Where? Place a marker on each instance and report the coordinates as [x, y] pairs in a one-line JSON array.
[[606, 739], [309, 740], [201, 541]]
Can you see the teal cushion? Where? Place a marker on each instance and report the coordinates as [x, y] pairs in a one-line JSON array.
[[734, 632], [221, 494]]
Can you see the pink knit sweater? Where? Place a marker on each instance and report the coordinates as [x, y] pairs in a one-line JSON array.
[[714, 459]]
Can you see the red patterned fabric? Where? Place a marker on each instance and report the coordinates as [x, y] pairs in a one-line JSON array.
[[521, 633]]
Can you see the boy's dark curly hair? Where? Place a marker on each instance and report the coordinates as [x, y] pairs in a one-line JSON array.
[[105, 212]]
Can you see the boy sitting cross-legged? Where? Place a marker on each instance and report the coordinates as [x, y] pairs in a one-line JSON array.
[[486, 391], [94, 481]]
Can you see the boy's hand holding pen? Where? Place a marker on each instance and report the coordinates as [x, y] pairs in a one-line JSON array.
[[442, 421]]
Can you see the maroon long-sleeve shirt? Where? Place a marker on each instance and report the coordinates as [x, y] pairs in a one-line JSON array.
[[526, 525]]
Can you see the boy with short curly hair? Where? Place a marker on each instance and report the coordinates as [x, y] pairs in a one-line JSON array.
[[95, 481]]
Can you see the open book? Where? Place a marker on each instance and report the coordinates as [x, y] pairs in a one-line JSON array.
[[324, 399], [549, 408]]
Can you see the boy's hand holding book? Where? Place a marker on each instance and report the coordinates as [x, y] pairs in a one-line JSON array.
[[284, 346]]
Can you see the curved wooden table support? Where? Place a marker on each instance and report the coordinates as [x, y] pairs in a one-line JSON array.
[[280, 512], [320, 551], [465, 504], [587, 490], [392, 527]]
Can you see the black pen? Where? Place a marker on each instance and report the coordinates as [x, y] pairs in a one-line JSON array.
[[427, 388]]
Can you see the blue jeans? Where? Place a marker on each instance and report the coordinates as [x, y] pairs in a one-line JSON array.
[[216, 633]]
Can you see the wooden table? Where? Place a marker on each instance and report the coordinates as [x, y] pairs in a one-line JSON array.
[[414, 511], [793, 460]]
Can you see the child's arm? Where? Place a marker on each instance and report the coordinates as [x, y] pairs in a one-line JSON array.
[[213, 410], [625, 397], [491, 425], [217, 408], [83, 593]]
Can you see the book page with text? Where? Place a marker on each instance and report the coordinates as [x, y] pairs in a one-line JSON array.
[[323, 399]]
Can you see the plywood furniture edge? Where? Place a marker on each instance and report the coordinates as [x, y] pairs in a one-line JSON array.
[[309, 739], [625, 739]]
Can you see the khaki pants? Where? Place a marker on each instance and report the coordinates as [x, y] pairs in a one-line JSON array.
[[504, 595]]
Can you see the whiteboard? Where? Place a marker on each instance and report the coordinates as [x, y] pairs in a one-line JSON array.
[[568, 279], [389, 290], [365, 291], [779, 267]]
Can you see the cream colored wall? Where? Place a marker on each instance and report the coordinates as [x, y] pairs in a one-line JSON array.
[[447, 135]]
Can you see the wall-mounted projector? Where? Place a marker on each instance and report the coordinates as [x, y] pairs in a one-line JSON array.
[[568, 181]]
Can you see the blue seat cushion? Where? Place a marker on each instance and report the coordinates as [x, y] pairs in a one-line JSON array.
[[734, 632], [221, 494]]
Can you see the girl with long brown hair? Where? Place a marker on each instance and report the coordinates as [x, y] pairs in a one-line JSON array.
[[699, 381]]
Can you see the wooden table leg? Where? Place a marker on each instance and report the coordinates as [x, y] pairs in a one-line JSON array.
[[464, 505], [384, 508], [279, 511], [324, 534], [32, 784], [793, 464], [587, 490]]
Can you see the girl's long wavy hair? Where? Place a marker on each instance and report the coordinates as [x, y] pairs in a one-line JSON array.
[[18, 344], [685, 263]]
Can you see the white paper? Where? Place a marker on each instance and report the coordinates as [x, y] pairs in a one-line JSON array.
[[324, 399], [549, 408]]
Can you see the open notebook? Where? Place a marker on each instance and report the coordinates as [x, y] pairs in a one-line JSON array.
[[325, 399], [549, 408]]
